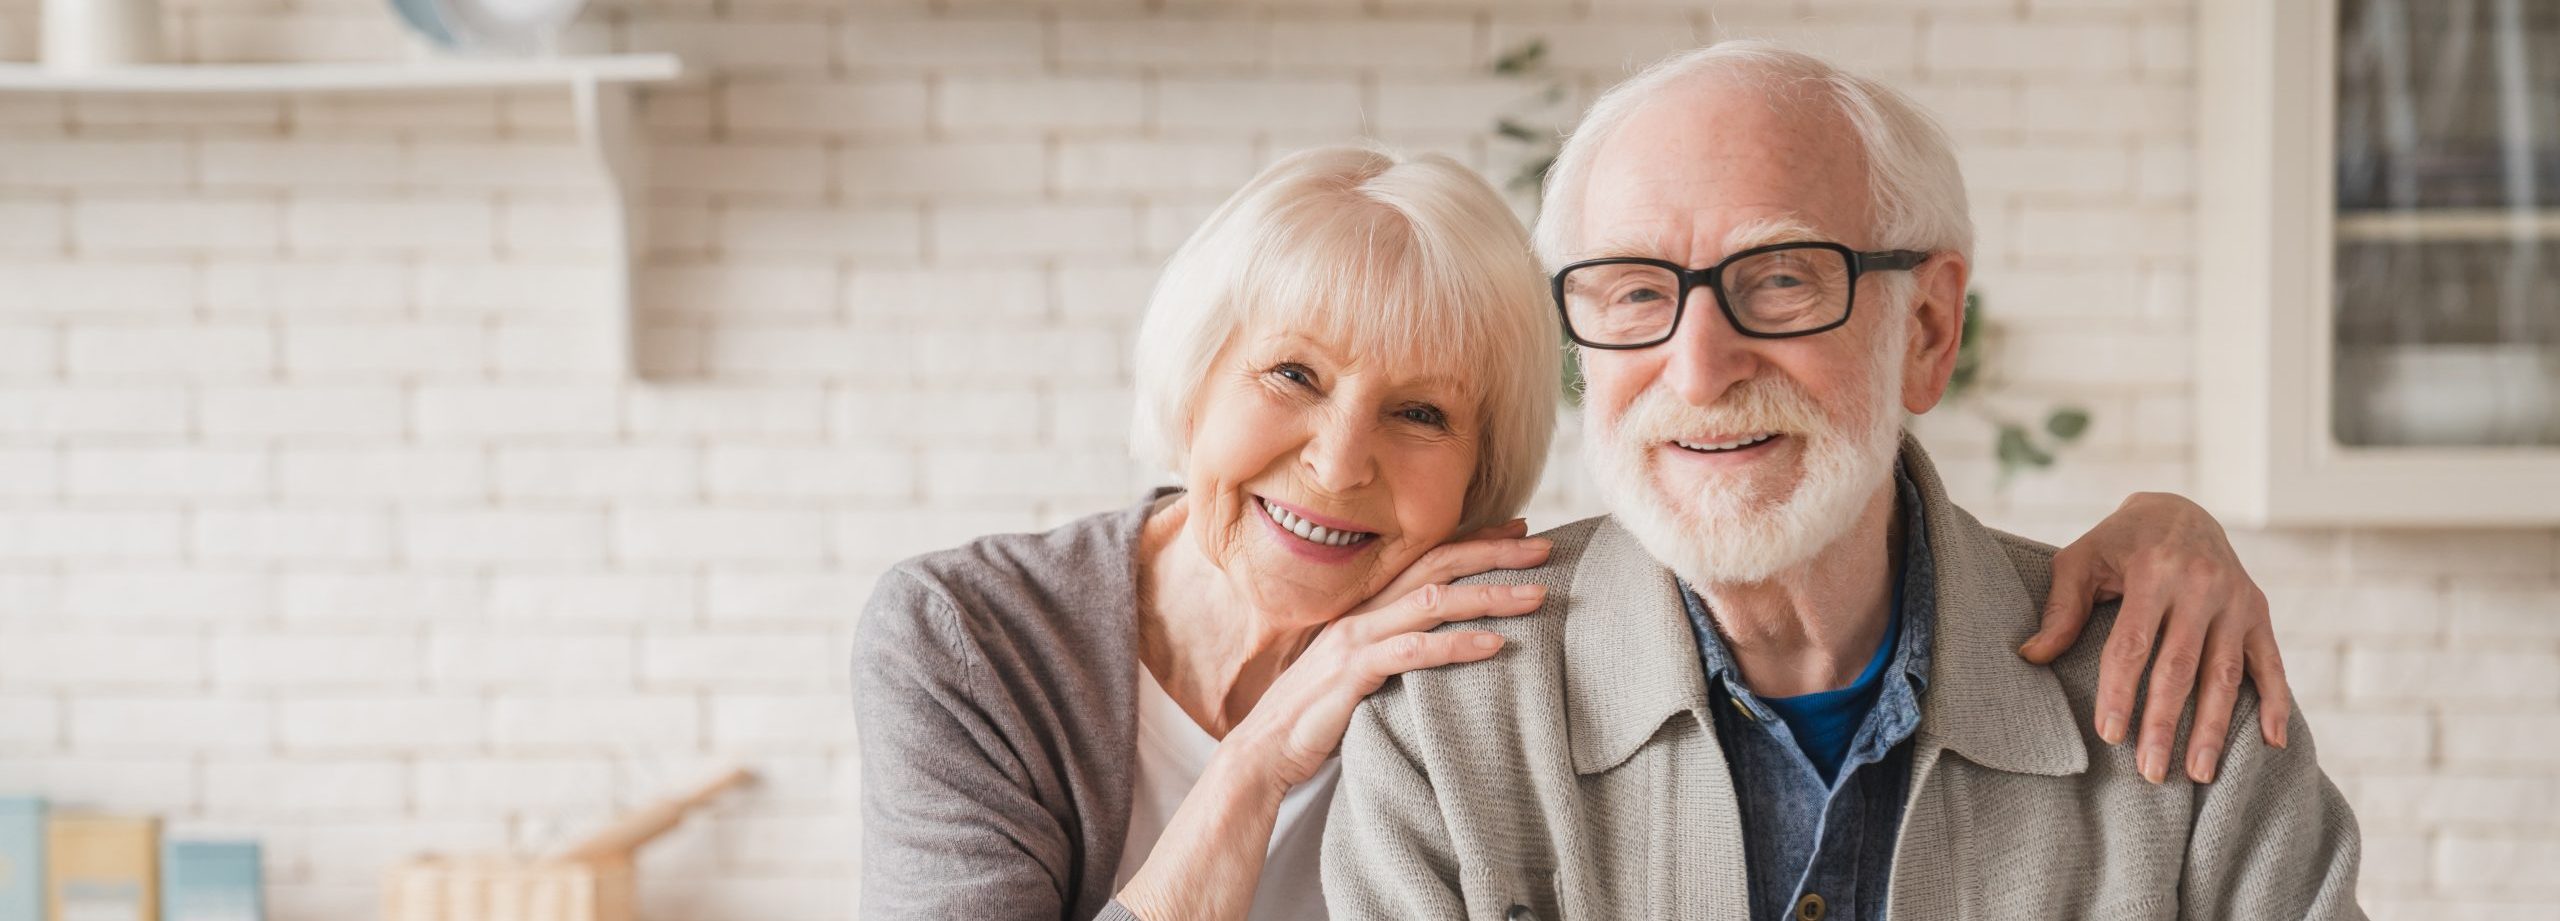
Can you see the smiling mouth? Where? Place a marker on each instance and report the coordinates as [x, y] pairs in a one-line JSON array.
[[1310, 531], [1726, 447]]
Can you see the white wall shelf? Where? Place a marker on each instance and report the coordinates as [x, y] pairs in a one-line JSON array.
[[2448, 224], [603, 90]]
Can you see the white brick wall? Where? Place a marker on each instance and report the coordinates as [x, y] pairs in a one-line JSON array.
[[317, 522]]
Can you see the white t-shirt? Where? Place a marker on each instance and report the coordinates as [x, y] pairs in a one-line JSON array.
[[1172, 751]]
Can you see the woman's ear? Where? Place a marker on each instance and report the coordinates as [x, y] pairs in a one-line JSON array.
[[1937, 330]]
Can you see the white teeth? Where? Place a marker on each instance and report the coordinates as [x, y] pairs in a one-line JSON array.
[[1312, 532], [1727, 446]]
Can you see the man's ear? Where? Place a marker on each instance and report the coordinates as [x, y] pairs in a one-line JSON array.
[[1937, 329]]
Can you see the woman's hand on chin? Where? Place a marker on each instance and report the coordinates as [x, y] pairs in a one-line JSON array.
[[1299, 722]]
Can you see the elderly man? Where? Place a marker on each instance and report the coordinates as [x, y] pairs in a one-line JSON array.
[[1783, 682]]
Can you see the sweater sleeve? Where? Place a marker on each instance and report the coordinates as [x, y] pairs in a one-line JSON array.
[[2273, 838], [1387, 851], [950, 825]]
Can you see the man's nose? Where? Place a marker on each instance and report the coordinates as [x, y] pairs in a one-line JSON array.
[[1707, 354]]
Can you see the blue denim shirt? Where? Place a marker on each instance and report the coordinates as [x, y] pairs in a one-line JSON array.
[[1817, 851]]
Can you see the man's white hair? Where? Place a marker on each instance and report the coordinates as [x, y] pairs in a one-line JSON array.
[[1410, 259], [1912, 179]]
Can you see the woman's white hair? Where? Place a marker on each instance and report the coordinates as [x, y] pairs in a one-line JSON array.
[[1412, 259], [1912, 179]]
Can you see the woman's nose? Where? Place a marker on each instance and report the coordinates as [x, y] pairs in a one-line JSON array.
[[1340, 458]]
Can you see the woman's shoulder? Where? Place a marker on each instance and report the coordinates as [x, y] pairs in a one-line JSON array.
[[1072, 586]]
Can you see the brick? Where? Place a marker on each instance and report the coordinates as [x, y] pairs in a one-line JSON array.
[[494, 536], [1254, 105], [377, 597], [1187, 43], [90, 534], [1019, 105], [146, 593], [1001, 357], [1876, 44], [926, 417], [763, 595], [1100, 292], [299, 164], [2376, 608], [2453, 796], [306, 788], [879, 537], [2502, 738], [1954, 45], [529, 723], [619, 597], [497, 785], [740, 167], [1153, 166], [546, 661], [730, 287], [598, 473], [168, 726], [977, 475], [2049, 169], [1468, 105], [300, 410], [1328, 46], [731, 411], [450, 285], [730, 660], [115, 225], [91, 661], [2351, 739], [377, 724], [2450, 552], [1090, 418], [813, 473], [1032, 231], [2399, 674], [2061, 108], [2481, 863], [563, 226], [943, 44], [142, 783], [957, 170], [29, 723], [856, 108], [60, 288], [476, 412], [408, 474], [708, 534], [962, 297], [164, 473], [438, 349], [443, 223], [330, 287], [738, 47], [776, 722], [322, 535], [170, 352], [511, 164], [793, 230], [34, 226], [316, 660], [92, 163]]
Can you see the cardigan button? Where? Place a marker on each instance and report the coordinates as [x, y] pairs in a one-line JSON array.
[[1810, 908], [1519, 913]]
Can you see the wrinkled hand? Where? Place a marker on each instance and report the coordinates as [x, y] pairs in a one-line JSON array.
[[1300, 720], [2181, 583]]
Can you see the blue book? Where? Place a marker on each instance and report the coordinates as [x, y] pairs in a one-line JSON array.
[[210, 881], [21, 858]]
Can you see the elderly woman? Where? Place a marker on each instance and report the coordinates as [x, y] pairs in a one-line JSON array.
[[1351, 365]]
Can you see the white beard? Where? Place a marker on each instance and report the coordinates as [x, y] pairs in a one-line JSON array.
[[1728, 532]]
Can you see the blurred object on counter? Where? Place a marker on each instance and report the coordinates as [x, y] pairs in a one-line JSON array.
[[102, 868], [587, 881], [211, 881], [21, 858]]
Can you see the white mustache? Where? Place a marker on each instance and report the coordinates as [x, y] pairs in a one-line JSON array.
[[1761, 404]]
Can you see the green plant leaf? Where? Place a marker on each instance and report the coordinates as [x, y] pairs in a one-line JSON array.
[[1572, 375], [2017, 450], [1515, 131], [1526, 58], [1969, 350], [2067, 423]]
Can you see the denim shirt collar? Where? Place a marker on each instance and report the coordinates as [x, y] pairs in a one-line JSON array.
[[1896, 713]]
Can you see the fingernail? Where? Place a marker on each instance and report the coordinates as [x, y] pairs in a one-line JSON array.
[[2152, 764], [1536, 543], [2200, 764], [1487, 641], [1528, 592], [2111, 728], [2282, 738]]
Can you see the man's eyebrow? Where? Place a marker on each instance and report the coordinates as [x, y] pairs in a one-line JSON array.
[[1766, 231]]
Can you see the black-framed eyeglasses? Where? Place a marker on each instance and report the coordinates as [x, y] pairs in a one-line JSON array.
[[1779, 291]]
